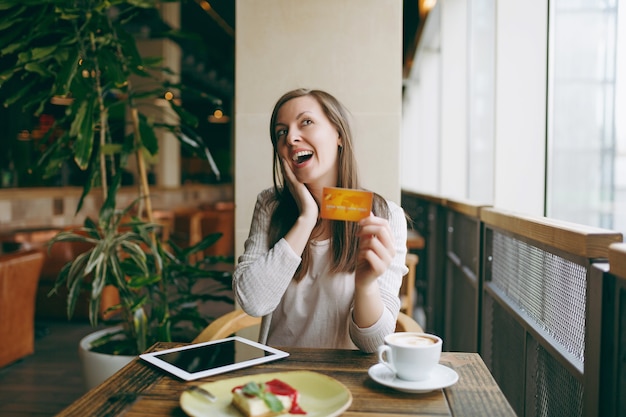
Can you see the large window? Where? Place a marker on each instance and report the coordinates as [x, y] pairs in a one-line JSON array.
[[586, 167], [545, 121], [481, 96]]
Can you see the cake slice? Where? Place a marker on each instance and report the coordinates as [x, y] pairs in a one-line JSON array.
[[268, 399]]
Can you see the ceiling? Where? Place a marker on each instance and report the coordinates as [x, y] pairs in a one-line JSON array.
[[210, 63]]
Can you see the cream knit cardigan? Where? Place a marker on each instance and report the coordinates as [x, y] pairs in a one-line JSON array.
[[263, 275]]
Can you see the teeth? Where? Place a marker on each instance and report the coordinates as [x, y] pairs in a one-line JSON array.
[[300, 154]]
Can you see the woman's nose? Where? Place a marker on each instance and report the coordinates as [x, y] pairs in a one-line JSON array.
[[293, 137]]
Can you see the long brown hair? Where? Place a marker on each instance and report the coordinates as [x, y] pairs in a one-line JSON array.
[[343, 243]]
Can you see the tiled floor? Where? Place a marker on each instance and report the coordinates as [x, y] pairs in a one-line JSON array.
[[46, 382]]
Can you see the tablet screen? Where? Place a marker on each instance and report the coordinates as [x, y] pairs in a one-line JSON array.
[[211, 358]]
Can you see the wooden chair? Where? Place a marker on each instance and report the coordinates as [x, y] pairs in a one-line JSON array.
[[165, 218], [19, 274], [406, 323], [221, 221], [226, 325], [191, 225], [56, 257], [407, 291], [236, 320]]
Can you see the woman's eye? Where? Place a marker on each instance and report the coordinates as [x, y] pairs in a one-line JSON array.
[[307, 122], [280, 133]]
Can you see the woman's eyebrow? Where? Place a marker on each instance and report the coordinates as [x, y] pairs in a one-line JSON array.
[[298, 116], [302, 114]]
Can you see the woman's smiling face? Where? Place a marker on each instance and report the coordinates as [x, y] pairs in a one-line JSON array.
[[308, 141]]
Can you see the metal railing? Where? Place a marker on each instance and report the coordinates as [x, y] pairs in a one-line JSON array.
[[518, 290]]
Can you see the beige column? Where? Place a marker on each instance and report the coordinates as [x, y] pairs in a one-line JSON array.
[[166, 165], [350, 48]]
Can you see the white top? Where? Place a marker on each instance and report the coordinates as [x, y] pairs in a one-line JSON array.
[[298, 320], [315, 312]]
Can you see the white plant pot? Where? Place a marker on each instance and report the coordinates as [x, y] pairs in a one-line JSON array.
[[97, 367]]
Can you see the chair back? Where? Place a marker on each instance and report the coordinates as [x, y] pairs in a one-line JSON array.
[[226, 325], [405, 323], [236, 320], [407, 291], [19, 274]]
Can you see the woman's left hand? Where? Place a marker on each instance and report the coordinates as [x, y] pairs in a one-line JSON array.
[[376, 249]]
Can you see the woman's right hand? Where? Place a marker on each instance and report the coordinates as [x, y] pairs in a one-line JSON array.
[[304, 199], [299, 234]]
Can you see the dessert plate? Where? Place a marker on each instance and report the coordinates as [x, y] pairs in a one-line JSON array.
[[320, 395], [442, 377]]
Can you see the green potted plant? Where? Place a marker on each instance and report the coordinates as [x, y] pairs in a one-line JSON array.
[[82, 54], [154, 283]]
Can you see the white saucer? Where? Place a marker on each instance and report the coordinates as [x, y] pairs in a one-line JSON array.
[[442, 377]]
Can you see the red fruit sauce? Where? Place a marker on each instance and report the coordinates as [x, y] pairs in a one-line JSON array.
[[278, 387]]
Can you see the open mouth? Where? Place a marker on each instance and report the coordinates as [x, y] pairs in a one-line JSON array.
[[301, 157]]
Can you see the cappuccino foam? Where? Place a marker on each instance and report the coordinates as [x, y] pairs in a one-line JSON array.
[[412, 340]]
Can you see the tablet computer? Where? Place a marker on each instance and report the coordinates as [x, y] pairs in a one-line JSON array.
[[200, 360]]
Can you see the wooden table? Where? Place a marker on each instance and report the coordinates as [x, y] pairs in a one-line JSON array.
[[142, 390]]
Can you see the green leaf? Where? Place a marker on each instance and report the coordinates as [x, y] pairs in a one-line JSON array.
[[77, 268], [23, 92], [146, 4], [72, 297], [74, 279], [110, 149], [7, 5], [143, 281], [94, 311], [67, 72], [272, 402], [208, 241], [252, 388], [112, 67], [186, 117], [152, 61], [148, 139], [99, 279], [42, 52], [37, 68], [6, 76], [83, 130], [140, 323], [96, 257], [119, 276], [258, 390], [131, 53]]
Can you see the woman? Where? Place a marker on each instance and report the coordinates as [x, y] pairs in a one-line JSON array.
[[317, 282]]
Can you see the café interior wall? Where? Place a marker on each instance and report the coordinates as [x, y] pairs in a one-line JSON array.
[[352, 49]]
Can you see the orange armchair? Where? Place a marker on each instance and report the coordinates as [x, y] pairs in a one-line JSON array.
[[19, 275]]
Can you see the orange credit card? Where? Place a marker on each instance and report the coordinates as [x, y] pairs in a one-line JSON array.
[[346, 204]]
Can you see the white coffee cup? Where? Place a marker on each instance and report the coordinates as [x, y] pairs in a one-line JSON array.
[[410, 356]]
